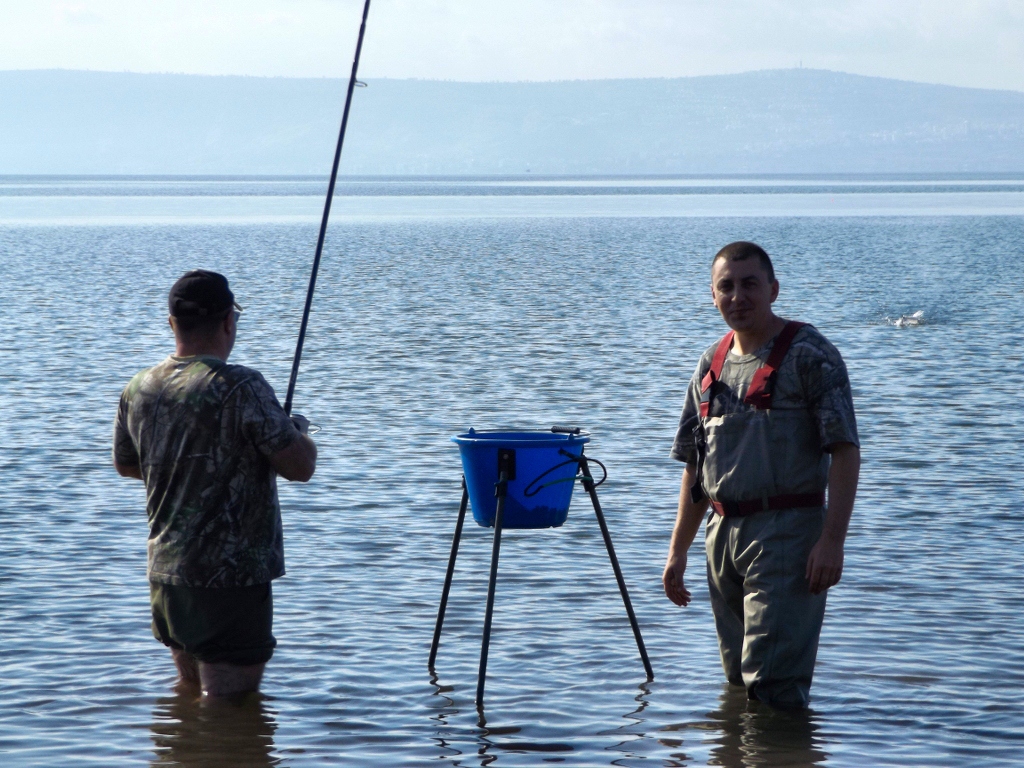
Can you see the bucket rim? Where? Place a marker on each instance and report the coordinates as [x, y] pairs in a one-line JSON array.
[[520, 434]]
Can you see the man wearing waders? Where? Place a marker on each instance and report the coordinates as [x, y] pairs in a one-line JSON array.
[[208, 440], [767, 427]]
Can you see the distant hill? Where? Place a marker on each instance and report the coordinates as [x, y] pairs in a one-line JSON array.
[[782, 121]]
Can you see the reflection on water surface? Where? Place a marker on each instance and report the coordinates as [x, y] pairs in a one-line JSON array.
[[191, 732], [749, 734]]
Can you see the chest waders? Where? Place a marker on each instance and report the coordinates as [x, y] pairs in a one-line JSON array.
[[752, 434], [764, 473]]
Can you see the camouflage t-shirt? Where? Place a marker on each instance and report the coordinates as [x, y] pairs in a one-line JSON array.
[[202, 432], [812, 376]]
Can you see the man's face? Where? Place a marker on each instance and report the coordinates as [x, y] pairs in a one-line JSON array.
[[743, 294]]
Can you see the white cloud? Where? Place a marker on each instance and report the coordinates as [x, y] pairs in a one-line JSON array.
[[77, 14], [963, 42]]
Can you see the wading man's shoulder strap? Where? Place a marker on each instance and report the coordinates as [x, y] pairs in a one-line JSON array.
[[762, 385], [707, 384], [707, 394]]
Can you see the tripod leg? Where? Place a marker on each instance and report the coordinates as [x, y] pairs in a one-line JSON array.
[[491, 584], [448, 576], [588, 484]]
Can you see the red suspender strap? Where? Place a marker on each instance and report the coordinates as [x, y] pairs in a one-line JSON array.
[[714, 373], [759, 394]]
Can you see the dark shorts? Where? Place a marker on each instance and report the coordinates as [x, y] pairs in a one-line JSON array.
[[231, 625]]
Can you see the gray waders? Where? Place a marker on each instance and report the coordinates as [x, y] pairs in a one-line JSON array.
[[768, 621], [764, 472]]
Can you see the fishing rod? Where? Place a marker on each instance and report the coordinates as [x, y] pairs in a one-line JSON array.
[[352, 82]]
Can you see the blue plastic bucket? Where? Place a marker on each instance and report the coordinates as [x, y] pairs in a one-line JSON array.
[[537, 456]]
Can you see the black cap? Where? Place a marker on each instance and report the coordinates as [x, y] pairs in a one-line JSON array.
[[200, 293]]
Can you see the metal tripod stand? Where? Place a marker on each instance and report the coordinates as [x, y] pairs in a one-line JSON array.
[[505, 462]]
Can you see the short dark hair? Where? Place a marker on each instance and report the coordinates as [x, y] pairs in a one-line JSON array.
[[200, 326], [742, 250]]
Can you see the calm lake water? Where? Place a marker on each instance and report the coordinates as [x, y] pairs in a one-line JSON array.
[[446, 304]]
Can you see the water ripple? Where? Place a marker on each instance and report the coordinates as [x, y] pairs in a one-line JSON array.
[[423, 328]]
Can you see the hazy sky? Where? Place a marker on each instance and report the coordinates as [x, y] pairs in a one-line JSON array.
[[960, 42]]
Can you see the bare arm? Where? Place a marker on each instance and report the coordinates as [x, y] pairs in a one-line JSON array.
[[825, 563], [298, 461], [687, 524], [128, 470]]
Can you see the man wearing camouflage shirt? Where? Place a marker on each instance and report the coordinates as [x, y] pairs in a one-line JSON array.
[[208, 440], [767, 426]]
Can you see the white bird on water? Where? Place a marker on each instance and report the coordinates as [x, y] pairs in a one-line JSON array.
[[906, 321]]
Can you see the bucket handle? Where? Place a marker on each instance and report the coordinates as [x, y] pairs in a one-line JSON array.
[[573, 459]]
